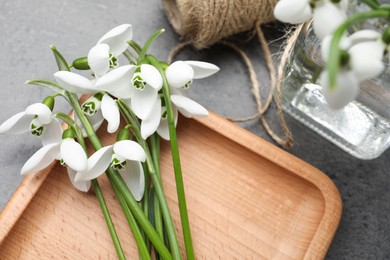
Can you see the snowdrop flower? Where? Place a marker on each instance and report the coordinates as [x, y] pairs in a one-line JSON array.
[[365, 51], [116, 83], [105, 54], [67, 151], [125, 157], [146, 82], [362, 59], [327, 16], [37, 118], [180, 76]]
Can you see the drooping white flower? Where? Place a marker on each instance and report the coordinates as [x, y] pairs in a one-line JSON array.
[[68, 151], [180, 76], [363, 60], [146, 82], [115, 83], [37, 118], [104, 55], [365, 50], [366, 59], [124, 156]]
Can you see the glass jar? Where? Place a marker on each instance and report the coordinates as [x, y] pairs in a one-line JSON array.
[[361, 128]]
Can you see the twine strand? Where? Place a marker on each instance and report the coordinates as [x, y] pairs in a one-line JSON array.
[[203, 23]]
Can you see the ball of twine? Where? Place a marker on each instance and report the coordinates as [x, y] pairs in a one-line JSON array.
[[205, 22]]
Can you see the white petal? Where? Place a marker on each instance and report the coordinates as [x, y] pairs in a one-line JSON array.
[[74, 83], [344, 44], [80, 185], [178, 74], [347, 88], [163, 128], [73, 155], [117, 38], [98, 59], [188, 107], [97, 164], [327, 17], [41, 159], [143, 101], [111, 113], [133, 175], [151, 76], [52, 133], [130, 150], [151, 123], [293, 11], [17, 124], [42, 111], [363, 36], [202, 69], [117, 82], [366, 59]]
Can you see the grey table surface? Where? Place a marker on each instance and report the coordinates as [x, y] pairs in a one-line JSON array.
[[28, 27]]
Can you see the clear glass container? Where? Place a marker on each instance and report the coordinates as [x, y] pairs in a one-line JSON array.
[[362, 128]]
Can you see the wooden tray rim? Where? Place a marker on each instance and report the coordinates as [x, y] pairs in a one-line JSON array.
[[332, 199]]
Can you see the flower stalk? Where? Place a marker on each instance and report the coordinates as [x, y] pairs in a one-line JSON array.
[[176, 162]]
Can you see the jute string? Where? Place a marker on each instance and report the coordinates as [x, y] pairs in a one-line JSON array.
[[220, 19]]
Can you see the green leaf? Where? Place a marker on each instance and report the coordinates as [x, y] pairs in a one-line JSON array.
[[61, 62], [48, 84]]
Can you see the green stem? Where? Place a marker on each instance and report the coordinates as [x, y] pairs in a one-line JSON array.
[[131, 119], [135, 46], [108, 219], [143, 250], [155, 147], [176, 162], [139, 214], [120, 184], [371, 3], [148, 43], [333, 65]]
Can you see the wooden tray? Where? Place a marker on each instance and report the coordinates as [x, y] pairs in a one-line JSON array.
[[247, 199]]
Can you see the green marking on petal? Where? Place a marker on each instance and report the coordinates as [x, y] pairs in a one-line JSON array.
[[113, 61], [117, 164], [138, 81], [62, 162], [188, 84], [164, 114], [37, 128], [89, 108], [92, 105]]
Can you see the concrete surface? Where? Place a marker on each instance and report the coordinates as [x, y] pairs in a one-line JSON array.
[[28, 27]]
